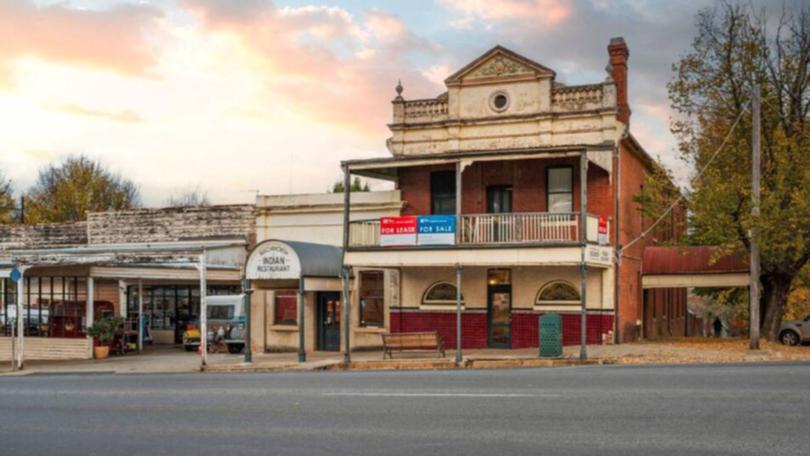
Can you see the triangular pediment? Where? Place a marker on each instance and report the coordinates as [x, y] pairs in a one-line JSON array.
[[498, 63]]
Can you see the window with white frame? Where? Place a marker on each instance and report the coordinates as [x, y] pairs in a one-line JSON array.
[[557, 293], [560, 189]]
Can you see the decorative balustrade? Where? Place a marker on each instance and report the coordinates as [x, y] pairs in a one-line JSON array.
[[572, 96], [534, 228], [425, 110]]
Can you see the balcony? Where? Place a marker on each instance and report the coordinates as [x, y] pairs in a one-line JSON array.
[[495, 230]]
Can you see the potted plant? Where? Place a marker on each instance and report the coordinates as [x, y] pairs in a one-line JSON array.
[[103, 331]]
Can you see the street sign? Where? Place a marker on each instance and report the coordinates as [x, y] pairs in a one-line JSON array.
[[603, 231], [398, 231], [436, 230], [15, 274]]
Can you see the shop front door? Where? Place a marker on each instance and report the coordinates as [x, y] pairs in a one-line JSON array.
[[499, 311], [329, 321]]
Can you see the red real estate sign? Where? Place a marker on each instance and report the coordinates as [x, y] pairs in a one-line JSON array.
[[398, 231], [603, 231]]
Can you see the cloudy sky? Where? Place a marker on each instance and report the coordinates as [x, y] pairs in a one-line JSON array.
[[236, 96]]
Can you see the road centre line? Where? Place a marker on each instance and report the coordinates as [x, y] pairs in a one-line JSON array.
[[449, 395]]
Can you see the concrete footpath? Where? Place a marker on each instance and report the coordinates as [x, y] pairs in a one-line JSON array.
[[170, 359]]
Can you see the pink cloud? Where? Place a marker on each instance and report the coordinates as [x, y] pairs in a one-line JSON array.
[[115, 116], [546, 12], [328, 63], [112, 39]]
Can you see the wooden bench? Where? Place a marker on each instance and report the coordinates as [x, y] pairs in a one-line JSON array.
[[412, 342]]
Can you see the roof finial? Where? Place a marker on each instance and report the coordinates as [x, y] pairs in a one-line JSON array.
[[609, 71], [399, 89]]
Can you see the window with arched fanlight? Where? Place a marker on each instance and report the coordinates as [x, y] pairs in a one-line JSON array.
[[557, 293], [441, 294]]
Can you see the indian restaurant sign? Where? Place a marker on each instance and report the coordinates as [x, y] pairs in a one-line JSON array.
[[273, 260]]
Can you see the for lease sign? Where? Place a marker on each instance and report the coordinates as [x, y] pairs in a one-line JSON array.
[[398, 231]]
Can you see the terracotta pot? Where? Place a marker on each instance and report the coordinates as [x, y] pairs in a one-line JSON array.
[[101, 352]]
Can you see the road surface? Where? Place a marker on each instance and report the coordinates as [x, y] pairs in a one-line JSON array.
[[605, 410]]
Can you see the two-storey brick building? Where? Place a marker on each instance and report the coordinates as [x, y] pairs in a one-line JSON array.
[[529, 184]]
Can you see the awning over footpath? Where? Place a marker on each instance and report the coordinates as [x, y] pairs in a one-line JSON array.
[[694, 266], [274, 259]]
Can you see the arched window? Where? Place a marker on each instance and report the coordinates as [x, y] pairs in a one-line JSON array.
[[557, 293], [440, 293]]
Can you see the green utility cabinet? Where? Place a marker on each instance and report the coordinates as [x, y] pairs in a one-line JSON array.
[[550, 336]]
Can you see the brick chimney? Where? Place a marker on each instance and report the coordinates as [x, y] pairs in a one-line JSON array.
[[618, 51]]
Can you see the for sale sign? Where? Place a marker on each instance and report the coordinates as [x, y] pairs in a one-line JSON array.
[[398, 231], [437, 230], [602, 237]]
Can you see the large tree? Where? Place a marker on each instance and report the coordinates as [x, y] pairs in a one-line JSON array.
[[65, 192], [732, 52]]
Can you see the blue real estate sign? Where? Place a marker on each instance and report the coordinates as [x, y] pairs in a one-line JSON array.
[[436, 230]]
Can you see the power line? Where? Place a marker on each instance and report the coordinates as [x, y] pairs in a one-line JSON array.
[[699, 174]]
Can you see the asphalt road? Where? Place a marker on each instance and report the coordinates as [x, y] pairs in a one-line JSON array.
[[616, 410]]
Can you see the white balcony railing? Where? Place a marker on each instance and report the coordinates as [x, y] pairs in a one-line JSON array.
[[489, 229], [518, 228]]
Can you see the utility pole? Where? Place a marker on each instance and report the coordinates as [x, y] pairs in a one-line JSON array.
[[754, 233]]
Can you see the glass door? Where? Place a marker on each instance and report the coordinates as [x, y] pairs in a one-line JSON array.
[[329, 321], [499, 310]]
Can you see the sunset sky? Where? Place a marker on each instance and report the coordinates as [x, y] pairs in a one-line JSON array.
[[236, 96]]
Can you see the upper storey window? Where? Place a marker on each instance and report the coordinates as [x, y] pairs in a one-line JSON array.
[[560, 189], [443, 192]]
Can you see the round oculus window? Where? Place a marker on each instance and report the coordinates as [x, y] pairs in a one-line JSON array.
[[499, 101]]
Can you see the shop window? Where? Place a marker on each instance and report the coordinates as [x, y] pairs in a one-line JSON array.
[[560, 189], [166, 307], [443, 192], [441, 293], [557, 293], [372, 298], [286, 307], [52, 306]]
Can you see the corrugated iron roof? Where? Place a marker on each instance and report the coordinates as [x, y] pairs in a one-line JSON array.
[[690, 260]]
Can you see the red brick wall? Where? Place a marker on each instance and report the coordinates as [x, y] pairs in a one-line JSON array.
[[630, 308], [524, 328], [526, 177], [474, 327], [414, 183]]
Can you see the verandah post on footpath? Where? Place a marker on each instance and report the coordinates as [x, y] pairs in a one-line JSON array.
[[583, 239]]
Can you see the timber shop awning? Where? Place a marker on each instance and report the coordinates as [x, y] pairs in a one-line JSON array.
[[696, 266]]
